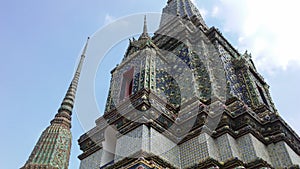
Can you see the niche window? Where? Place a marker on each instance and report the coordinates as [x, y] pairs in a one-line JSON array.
[[109, 147], [262, 95], [127, 84]]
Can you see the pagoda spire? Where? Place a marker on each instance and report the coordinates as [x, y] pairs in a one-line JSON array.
[[184, 9], [145, 34], [65, 111], [52, 150]]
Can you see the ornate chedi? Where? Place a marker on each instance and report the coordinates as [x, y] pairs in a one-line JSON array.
[[185, 98], [52, 151]]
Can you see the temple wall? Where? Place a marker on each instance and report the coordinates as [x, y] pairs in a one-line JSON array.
[[196, 150], [93, 161], [164, 148], [282, 155], [138, 140], [252, 149], [132, 142], [294, 157], [246, 148], [261, 149], [227, 147]]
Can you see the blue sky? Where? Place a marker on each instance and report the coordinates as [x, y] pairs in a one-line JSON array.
[[40, 42]]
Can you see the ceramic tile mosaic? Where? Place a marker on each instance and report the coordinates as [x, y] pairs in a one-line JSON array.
[[227, 147], [280, 154], [93, 161], [164, 148], [246, 148], [138, 63], [234, 146], [196, 150], [131, 143], [294, 157], [230, 72], [261, 149], [251, 148]]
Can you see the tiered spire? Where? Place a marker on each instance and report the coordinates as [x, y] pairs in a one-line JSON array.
[[52, 150], [65, 111], [143, 41], [145, 34], [184, 9]]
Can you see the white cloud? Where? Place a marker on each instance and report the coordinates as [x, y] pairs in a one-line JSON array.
[[268, 29], [215, 11], [108, 19]]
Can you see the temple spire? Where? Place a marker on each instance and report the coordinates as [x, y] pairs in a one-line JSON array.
[[182, 9], [145, 34], [52, 151], [145, 30], [65, 111]]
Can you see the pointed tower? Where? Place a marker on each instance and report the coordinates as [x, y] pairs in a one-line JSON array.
[[52, 151], [186, 98], [183, 9], [145, 30]]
